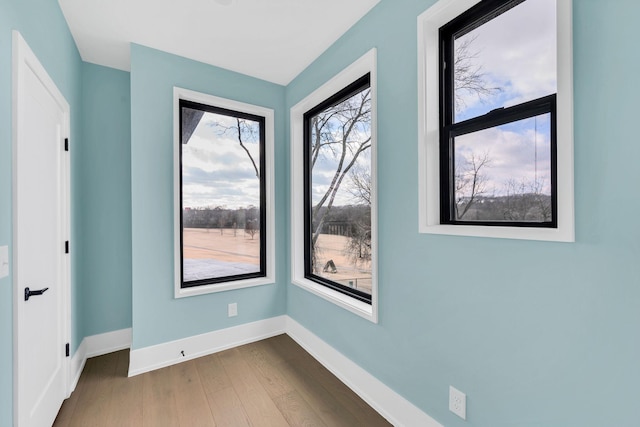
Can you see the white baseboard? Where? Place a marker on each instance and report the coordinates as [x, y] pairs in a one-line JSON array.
[[76, 366], [96, 345], [159, 356], [395, 408]]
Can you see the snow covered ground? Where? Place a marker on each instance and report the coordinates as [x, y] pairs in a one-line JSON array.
[[197, 269]]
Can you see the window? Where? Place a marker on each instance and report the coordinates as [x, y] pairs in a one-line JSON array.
[[497, 160], [334, 233], [337, 198], [496, 136], [222, 192]]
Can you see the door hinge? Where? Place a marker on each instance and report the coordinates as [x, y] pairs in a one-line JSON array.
[[66, 247], [66, 350], [66, 144]]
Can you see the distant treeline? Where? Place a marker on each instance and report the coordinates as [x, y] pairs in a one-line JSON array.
[[220, 217], [345, 220], [529, 207], [340, 220]]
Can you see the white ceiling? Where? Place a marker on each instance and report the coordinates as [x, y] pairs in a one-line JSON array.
[[272, 40]]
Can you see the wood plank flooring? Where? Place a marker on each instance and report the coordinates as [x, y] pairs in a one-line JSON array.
[[273, 382]]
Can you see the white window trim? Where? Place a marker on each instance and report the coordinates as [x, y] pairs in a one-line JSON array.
[[268, 114], [429, 23], [366, 64]]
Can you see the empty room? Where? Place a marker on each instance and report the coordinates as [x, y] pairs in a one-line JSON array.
[[329, 213]]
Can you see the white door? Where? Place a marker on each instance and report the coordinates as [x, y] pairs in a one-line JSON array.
[[40, 163]]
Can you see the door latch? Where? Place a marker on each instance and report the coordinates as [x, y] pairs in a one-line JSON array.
[[29, 293]]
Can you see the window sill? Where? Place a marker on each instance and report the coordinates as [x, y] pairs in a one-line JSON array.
[[222, 287], [362, 309], [522, 233]]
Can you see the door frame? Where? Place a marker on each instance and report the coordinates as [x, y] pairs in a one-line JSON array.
[[24, 59]]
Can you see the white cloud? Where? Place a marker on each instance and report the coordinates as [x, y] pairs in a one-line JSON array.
[[516, 154], [216, 171], [516, 52]]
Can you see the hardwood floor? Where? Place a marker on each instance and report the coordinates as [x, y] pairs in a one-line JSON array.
[[273, 382]]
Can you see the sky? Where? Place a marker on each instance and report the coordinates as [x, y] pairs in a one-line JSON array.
[[516, 152], [216, 171], [516, 52]]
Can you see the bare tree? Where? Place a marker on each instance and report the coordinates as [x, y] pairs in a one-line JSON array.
[[468, 75], [470, 181], [251, 227], [542, 201], [242, 129], [526, 201], [222, 215], [360, 188], [340, 134], [359, 244]]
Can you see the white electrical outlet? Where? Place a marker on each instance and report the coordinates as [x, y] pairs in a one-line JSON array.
[[458, 402], [4, 261], [233, 309]]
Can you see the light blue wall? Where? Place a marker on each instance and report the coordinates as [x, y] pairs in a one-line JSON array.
[[105, 191], [6, 293], [536, 334], [157, 316], [43, 27]]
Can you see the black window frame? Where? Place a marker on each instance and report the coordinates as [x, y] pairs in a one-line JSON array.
[[450, 129], [350, 90], [263, 198]]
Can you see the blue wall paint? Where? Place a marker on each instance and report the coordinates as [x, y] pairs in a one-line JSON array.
[[157, 316], [536, 334], [6, 293], [105, 191], [44, 29]]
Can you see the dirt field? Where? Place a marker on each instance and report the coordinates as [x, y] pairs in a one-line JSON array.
[[223, 245]]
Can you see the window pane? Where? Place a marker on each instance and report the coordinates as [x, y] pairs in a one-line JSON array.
[[504, 173], [340, 192], [221, 195], [506, 61]]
